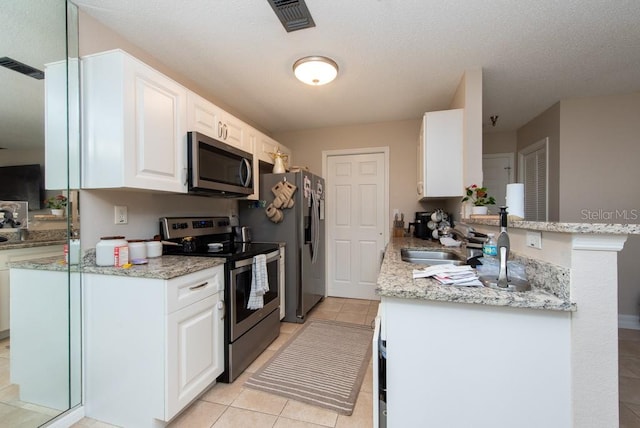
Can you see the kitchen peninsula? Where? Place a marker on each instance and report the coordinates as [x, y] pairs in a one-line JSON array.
[[166, 313], [480, 357]]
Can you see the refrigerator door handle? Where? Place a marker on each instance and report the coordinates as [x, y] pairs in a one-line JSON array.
[[315, 227]]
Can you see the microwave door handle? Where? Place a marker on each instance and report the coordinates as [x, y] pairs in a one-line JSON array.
[[246, 166]]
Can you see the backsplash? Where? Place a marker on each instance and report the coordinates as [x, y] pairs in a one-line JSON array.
[[546, 276], [144, 209]]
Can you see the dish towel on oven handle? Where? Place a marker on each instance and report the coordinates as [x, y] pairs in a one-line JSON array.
[[259, 282]]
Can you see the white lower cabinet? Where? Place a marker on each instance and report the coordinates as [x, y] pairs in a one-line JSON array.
[[463, 365], [151, 346], [194, 357]]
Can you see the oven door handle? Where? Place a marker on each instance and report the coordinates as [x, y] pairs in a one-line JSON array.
[[275, 255]]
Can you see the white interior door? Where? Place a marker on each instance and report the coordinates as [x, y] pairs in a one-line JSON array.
[[533, 172], [497, 172], [356, 204]]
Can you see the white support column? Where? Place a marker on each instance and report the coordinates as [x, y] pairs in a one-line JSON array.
[[594, 343]]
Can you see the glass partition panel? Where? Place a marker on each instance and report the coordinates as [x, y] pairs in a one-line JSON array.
[[40, 341]]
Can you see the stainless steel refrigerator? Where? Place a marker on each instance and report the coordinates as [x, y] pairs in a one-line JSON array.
[[302, 230]]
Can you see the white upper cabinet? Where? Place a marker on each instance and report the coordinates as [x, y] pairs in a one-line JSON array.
[[233, 132], [202, 115], [134, 125], [205, 117], [267, 145], [440, 155]]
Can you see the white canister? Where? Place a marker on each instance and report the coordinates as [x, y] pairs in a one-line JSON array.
[[137, 249], [105, 249], [154, 249]]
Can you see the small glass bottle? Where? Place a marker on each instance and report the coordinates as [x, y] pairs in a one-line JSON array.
[[490, 249]]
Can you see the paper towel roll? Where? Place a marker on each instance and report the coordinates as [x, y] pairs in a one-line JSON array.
[[515, 200]]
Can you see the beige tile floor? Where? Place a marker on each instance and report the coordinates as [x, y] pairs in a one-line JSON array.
[[629, 377], [232, 405]]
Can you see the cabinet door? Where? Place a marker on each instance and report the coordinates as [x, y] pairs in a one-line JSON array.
[[195, 354], [443, 157], [233, 132], [202, 116], [160, 133], [267, 145], [133, 125]]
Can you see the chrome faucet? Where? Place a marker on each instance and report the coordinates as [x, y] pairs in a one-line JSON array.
[[503, 250], [465, 232], [503, 282]]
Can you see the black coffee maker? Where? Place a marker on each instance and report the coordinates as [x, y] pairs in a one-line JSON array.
[[420, 228]]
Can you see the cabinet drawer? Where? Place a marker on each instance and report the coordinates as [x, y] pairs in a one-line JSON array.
[[196, 286]]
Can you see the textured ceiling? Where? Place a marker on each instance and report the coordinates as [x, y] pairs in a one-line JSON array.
[[397, 59]]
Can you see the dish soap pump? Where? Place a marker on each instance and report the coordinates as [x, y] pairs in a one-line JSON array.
[[503, 282], [503, 250]]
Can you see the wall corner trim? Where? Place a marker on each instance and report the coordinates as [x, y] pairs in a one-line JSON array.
[[598, 242]]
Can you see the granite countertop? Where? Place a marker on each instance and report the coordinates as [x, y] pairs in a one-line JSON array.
[[396, 280], [13, 245], [595, 228], [165, 267]]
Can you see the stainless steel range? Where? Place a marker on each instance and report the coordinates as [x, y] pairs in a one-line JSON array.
[[248, 332]]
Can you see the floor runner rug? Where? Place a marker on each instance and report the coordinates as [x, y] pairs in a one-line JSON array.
[[323, 364]]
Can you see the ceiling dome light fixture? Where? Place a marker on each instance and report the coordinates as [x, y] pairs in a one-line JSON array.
[[315, 70]]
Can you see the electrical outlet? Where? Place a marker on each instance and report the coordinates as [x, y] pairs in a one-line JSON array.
[[120, 212], [534, 240]]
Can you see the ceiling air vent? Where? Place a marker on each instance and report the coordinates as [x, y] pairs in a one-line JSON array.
[[293, 14], [14, 65]]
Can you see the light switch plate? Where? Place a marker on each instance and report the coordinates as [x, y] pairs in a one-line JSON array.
[[120, 213], [534, 240]]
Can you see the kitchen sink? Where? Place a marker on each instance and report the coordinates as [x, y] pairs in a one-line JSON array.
[[431, 257]]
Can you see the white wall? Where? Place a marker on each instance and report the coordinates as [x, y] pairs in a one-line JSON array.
[[599, 176], [499, 142], [401, 137], [546, 124]]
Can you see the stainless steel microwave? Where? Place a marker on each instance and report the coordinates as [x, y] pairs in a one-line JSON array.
[[217, 168]]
